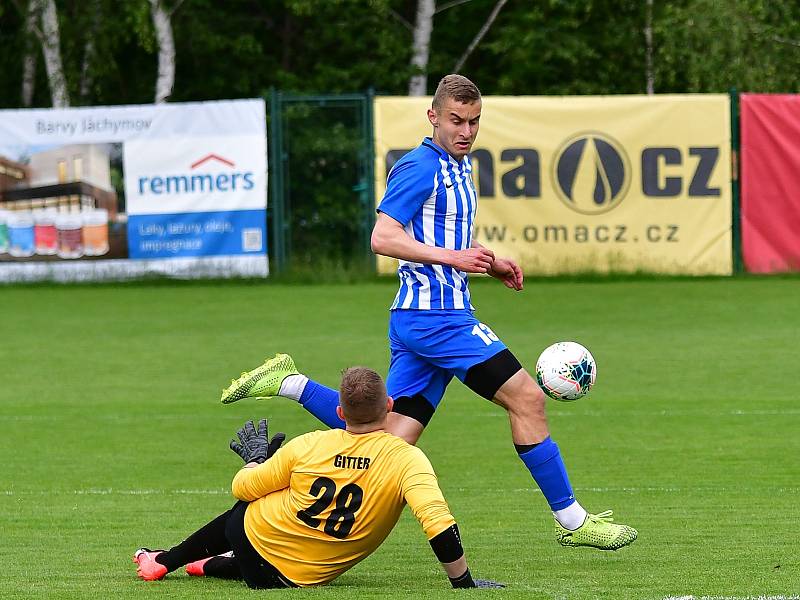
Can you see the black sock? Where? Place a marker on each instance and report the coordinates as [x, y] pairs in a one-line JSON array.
[[523, 448], [224, 567], [207, 541]]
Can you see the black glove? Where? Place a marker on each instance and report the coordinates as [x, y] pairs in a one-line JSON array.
[[254, 446]]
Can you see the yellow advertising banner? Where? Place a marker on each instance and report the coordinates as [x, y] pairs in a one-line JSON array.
[[590, 183]]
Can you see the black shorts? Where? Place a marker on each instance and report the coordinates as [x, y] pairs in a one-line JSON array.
[[256, 571], [484, 379]]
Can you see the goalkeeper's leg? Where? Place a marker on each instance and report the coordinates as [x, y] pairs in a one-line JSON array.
[[224, 566], [207, 541], [224, 534]]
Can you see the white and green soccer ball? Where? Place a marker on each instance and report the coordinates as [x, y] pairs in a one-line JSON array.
[[566, 371]]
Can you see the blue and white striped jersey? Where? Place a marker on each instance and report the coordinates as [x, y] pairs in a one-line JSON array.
[[432, 195]]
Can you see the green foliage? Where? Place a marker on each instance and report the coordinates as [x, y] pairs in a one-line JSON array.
[[315, 46], [713, 45], [558, 47], [325, 155], [240, 48]]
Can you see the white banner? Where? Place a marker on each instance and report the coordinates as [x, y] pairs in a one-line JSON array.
[[145, 184], [195, 174], [98, 124]]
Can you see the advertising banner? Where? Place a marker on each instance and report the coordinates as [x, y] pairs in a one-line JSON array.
[[570, 184], [770, 127], [125, 191]]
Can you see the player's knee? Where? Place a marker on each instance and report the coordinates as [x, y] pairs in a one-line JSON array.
[[537, 395], [525, 400]]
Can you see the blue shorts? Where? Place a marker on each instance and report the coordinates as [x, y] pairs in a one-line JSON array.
[[428, 347]]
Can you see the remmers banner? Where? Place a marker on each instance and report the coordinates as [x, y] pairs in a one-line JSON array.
[[125, 191], [570, 184]]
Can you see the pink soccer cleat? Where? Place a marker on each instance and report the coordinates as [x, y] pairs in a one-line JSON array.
[[148, 568], [195, 569]]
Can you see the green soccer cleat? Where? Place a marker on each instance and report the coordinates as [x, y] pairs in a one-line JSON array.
[[262, 382], [597, 531]]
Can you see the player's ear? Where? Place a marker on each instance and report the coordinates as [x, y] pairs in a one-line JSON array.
[[433, 117], [389, 404], [339, 412]]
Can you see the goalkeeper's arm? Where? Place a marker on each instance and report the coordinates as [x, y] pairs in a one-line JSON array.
[[448, 549], [422, 493]]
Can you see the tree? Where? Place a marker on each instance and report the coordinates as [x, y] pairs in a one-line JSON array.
[[713, 45], [162, 22], [423, 27], [648, 37], [241, 48], [90, 50], [42, 16], [479, 36], [576, 47], [29, 56]]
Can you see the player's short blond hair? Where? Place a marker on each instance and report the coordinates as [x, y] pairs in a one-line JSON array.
[[455, 87], [362, 395]]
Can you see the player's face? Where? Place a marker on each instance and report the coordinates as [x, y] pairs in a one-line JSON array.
[[455, 126]]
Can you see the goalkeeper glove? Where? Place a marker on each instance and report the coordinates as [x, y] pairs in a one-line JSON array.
[[466, 581], [254, 446], [488, 583]]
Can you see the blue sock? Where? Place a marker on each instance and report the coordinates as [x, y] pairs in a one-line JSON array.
[[545, 464], [321, 401]]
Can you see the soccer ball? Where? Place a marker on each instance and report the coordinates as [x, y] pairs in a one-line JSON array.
[[566, 371]]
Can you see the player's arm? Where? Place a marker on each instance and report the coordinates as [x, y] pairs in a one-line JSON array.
[[389, 238], [504, 269], [423, 496], [409, 185], [449, 551]]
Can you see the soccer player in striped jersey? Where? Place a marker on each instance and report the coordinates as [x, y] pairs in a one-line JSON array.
[[425, 220], [313, 509]]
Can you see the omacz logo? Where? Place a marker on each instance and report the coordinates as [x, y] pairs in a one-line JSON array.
[[591, 173]]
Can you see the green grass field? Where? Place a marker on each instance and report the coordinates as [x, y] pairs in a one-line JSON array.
[[113, 436]]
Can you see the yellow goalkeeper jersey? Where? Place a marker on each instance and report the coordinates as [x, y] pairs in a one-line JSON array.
[[327, 499]]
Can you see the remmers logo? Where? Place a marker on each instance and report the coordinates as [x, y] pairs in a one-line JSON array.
[[198, 181], [591, 173]]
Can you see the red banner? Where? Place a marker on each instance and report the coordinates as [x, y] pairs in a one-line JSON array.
[[770, 183]]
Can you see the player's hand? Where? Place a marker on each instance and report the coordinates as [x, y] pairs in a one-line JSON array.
[[507, 271], [253, 445], [473, 260]]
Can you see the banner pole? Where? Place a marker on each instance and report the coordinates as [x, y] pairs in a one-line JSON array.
[[276, 180], [736, 225], [369, 121]]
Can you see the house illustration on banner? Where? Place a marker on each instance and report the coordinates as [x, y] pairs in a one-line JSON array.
[[68, 178]]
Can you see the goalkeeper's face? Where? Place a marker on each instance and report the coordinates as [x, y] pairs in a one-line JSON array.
[[455, 126]]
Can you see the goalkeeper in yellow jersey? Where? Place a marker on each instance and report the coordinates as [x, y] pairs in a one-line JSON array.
[[320, 504]]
